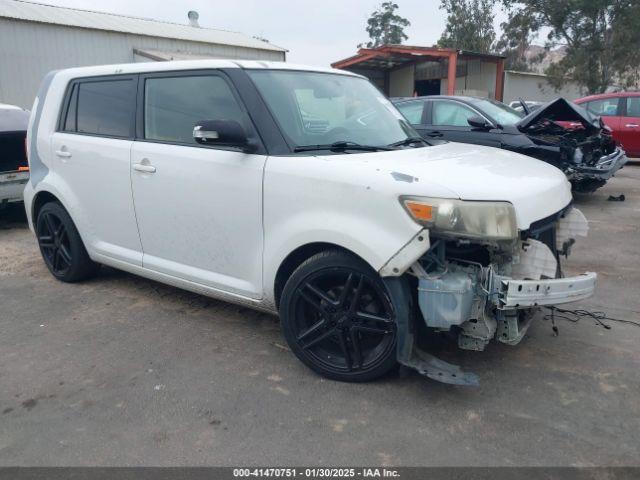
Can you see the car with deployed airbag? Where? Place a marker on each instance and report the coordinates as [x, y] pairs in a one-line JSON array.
[[301, 192], [558, 132]]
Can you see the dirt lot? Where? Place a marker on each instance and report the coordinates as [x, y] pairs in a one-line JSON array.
[[125, 371]]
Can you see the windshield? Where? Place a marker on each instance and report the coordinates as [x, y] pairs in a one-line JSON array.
[[322, 108], [501, 113]]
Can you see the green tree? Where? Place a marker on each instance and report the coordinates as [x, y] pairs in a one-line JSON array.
[[601, 38], [517, 34], [386, 27], [469, 25]]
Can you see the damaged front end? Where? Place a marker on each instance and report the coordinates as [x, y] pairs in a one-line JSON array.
[[489, 289], [566, 136]]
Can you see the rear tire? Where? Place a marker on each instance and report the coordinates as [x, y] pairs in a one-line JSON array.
[[339, 318], [61, 246]]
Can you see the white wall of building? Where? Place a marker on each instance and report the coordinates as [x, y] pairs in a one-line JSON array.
[[28, 50], [401, 82], [535, 87], [480, 80]]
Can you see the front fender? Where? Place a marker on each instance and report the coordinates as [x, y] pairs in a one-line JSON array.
[[348, 210]]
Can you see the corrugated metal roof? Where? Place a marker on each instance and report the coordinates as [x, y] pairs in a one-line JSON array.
[[37, 12]]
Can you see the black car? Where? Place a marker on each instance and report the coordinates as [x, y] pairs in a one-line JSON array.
[[559, 132]]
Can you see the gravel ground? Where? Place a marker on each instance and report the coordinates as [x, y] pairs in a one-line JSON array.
[[125, 371]]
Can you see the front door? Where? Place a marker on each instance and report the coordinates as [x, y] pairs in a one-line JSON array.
[[448, 121], [199, 208], [630, 126]]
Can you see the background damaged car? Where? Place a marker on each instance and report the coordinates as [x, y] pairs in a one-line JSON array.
[[559, 133]]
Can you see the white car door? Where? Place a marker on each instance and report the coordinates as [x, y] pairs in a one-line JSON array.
[[92, 149], [199, 208]]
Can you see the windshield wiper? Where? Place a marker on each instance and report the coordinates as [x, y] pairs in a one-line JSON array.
[[408, 141], [341, 146]]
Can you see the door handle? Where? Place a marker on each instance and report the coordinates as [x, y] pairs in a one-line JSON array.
[[434, 134], [141, 167], [63, 153], [632, 125]]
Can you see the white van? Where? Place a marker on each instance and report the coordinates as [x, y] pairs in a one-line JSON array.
[[303, 192]]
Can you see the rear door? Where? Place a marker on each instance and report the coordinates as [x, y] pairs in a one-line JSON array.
[[448, 120], [630, 125], [415, 112], [199, 208], [609, 109], [91, 148]]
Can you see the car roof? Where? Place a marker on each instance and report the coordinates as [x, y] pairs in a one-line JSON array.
[[602, 96], [178, 65]]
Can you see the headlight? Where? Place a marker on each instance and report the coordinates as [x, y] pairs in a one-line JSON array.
[[459, 218]]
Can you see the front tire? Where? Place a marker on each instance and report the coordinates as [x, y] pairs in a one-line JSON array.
[[61, 246], [339, 319]]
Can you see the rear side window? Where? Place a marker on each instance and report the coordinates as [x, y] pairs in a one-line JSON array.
[[607, 107], [633, 106], [174, 105], [101, 108], [412, 111]]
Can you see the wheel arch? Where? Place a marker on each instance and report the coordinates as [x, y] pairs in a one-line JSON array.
[[296, 258], [39, 200]]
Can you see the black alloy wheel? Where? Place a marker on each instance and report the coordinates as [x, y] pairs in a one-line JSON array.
[[54, 243], [61, 246], [338, 318]]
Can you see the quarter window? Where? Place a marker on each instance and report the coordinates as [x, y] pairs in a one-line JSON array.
[[72, 115], [412, 111], [451, 114], [174, 105], [105, 108], [633, 106], [607, 107]]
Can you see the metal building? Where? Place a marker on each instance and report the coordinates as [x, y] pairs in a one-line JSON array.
[[37, 38], [404, 70]]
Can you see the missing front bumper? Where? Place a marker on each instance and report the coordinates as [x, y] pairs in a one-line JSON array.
[[515, 294]]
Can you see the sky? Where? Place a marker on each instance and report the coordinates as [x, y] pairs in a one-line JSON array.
[[315, 33]]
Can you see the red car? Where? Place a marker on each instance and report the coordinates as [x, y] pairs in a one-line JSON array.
[[620, 112]]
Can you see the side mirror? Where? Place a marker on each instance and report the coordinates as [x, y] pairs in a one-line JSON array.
[[228, 133], [479, 122]]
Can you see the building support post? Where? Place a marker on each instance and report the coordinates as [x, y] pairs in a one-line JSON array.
[[499, 95], [451, 75]]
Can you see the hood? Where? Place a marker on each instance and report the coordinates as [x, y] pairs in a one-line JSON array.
[[561, 111], [472, 172]]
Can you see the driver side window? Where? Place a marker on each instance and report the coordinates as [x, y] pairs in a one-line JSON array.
[[173, 106], [451, 114]]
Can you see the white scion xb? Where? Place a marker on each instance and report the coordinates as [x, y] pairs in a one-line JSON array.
[[303, 192]]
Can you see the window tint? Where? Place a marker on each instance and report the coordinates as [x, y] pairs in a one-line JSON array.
[[633, 106], [70, 121], [106, 107], [412, 111], [607, 107], [451, 113], [173, 106]]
